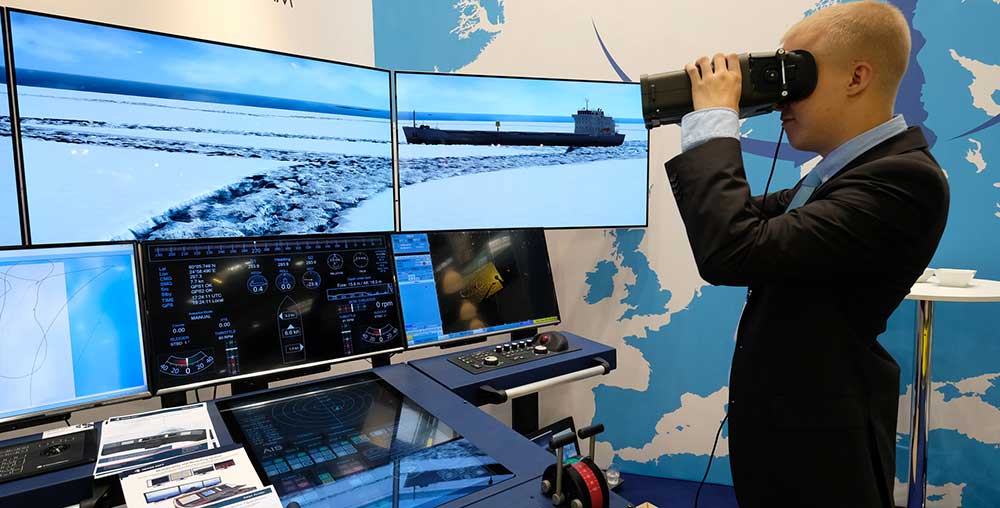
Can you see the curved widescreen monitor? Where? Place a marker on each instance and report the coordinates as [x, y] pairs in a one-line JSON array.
[[222, 310], [456, 286], [481, 152], [70, 329], [10, 218], [135, 135]]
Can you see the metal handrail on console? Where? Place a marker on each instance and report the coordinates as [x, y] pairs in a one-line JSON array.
[[495, 396]]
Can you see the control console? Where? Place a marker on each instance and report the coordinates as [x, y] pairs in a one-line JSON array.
[[512, 353], [46, 455]]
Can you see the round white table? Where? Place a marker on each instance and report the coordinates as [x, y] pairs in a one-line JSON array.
[[926, 293]]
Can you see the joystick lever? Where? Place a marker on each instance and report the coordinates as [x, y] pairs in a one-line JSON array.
[[576, 482], [557, 444], [591, 432]]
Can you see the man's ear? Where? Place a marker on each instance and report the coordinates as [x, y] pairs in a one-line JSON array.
[[861, 77]]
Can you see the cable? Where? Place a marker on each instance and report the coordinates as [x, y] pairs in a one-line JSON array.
[[710, 457], [215, 391], [763, 203], [774, 161]]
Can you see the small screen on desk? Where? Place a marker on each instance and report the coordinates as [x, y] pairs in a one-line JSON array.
[[357, 442], [459, 285], [239, 307]]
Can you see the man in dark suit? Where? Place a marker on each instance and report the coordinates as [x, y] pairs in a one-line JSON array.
[[813, 396]]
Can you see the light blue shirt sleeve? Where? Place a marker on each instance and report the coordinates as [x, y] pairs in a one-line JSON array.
[[700, 126]]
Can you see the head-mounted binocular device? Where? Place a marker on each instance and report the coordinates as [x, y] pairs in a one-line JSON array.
[[768, 79]]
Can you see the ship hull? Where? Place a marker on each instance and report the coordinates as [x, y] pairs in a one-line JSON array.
[[429, 136]]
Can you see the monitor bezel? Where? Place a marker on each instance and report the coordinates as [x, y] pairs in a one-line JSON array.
[[456, 341], [15, 112], [15, 132], [147, 298], [144, 339], [396, 125]]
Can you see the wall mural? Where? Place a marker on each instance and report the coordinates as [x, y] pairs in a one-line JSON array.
[[639, 291]]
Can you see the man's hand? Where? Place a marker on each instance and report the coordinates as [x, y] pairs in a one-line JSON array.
[[720, 87]]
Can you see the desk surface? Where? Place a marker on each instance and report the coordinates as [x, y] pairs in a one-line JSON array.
[[978, 291]]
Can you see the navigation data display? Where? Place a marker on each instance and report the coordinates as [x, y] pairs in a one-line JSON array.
[[354, 442], [226, 308], [462, 284], [70, 328]]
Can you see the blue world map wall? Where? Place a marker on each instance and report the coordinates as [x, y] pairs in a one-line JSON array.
[[952, 90]]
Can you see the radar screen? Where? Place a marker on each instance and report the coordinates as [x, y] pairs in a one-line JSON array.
[[225, 308]]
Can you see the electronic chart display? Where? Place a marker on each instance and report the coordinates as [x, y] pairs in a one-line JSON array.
[[459, 285], [487, 152], [70, 328], [10, 218], [220, 310], [134, 135], [354, 442]]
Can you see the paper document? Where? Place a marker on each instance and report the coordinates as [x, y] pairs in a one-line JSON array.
[[130, 441], [223, 477]]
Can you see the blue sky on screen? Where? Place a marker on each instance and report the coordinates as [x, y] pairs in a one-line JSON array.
[[451, 93], [57, 45]]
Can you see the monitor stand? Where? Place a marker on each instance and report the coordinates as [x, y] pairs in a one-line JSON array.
[[256, 384], [175, 399], [524, 409], [381, 360]]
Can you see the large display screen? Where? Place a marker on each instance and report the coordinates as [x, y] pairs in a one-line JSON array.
[[459, 285], [70, 328], [134, 135], [357, 442], [224, 309], [10, 219], [490, 152]]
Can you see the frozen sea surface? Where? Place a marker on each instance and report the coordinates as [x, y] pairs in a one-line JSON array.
[[103, 166], [597, 193]]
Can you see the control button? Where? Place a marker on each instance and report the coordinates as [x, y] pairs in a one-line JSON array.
[[498, 349], [55, 449], [491, 361], [541, 350]]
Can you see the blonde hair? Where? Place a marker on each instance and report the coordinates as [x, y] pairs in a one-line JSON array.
[[872, 31]]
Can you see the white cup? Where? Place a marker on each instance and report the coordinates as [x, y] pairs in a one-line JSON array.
[[928, 272], [952, 277]]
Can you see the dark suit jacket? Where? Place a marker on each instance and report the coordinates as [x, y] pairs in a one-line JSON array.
[[813, 396]]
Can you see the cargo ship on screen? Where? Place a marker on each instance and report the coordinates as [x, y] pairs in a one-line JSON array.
[[591, 128]]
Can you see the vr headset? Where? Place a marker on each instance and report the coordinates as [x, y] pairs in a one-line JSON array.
[[768, 79]]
